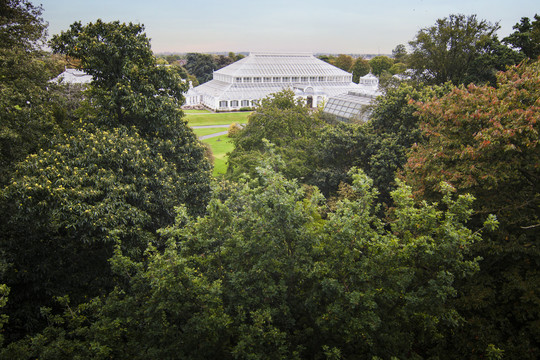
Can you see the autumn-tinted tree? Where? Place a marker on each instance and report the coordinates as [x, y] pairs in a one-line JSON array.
[[526, 37], [360, 68], [484, 141], [344, 62], [446, 51]]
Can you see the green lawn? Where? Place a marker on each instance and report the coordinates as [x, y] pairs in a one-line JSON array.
[[220, 145], [197, 111], [203, 118]]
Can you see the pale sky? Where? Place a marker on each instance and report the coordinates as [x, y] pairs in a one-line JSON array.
[[333, 26]]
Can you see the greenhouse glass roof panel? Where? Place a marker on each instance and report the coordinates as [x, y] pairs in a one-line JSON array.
[[272, 64]]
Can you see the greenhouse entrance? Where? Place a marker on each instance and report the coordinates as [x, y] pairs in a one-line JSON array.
[[310, 101]]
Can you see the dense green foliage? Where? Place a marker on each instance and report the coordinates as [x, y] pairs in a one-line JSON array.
[[360, 68], [69, 205], [27, 117], [264, 276], [130, 90], [399, 54], [380, 64], [526, 37], [460, 49], [285, 122], [115, 176], [344, 62], [202, 66], [379, 146]]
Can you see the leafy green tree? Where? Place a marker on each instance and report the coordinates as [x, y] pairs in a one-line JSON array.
[[344, 62], [4, 292], [360, 68], [285, 122], [27, 116], [400, 54], [164, 309], [338, 148], [66, 207], [397, 68], [295, 285], [327, 58], [222, 61], [484, 141], [446, 51], [494, 58], [526, 37], [201, 65], [22, 25], [263, 275], [116, 175], [130, 90], [380, 64], [235, 57], [170, 58]]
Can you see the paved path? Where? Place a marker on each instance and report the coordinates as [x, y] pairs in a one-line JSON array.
[[212, 135], [210, 126], [213, 126]]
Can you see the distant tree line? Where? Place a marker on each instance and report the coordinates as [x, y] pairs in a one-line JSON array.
[[199, 67]]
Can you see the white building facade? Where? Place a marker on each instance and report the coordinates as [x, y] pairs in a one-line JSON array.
[[245, 82]]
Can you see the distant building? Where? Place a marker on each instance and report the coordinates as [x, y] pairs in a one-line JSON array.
[[73, 76], [245, 82], [355, 104]]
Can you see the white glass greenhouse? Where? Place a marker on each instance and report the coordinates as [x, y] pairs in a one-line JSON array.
[[245, 82], [73, 76], [354, 105]]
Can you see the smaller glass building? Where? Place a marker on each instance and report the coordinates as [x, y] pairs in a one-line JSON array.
[[354, 105]]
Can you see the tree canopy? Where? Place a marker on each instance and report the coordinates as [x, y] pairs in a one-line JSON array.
[[360, 68], [344, 62], [286, 123], [27, 118], [262, 275], [413, 235], [114, 178], [447, 51], [380, 64], [526, 37], [132, 91]]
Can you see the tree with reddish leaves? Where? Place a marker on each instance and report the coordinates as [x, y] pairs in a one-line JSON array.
[[484, 141]]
